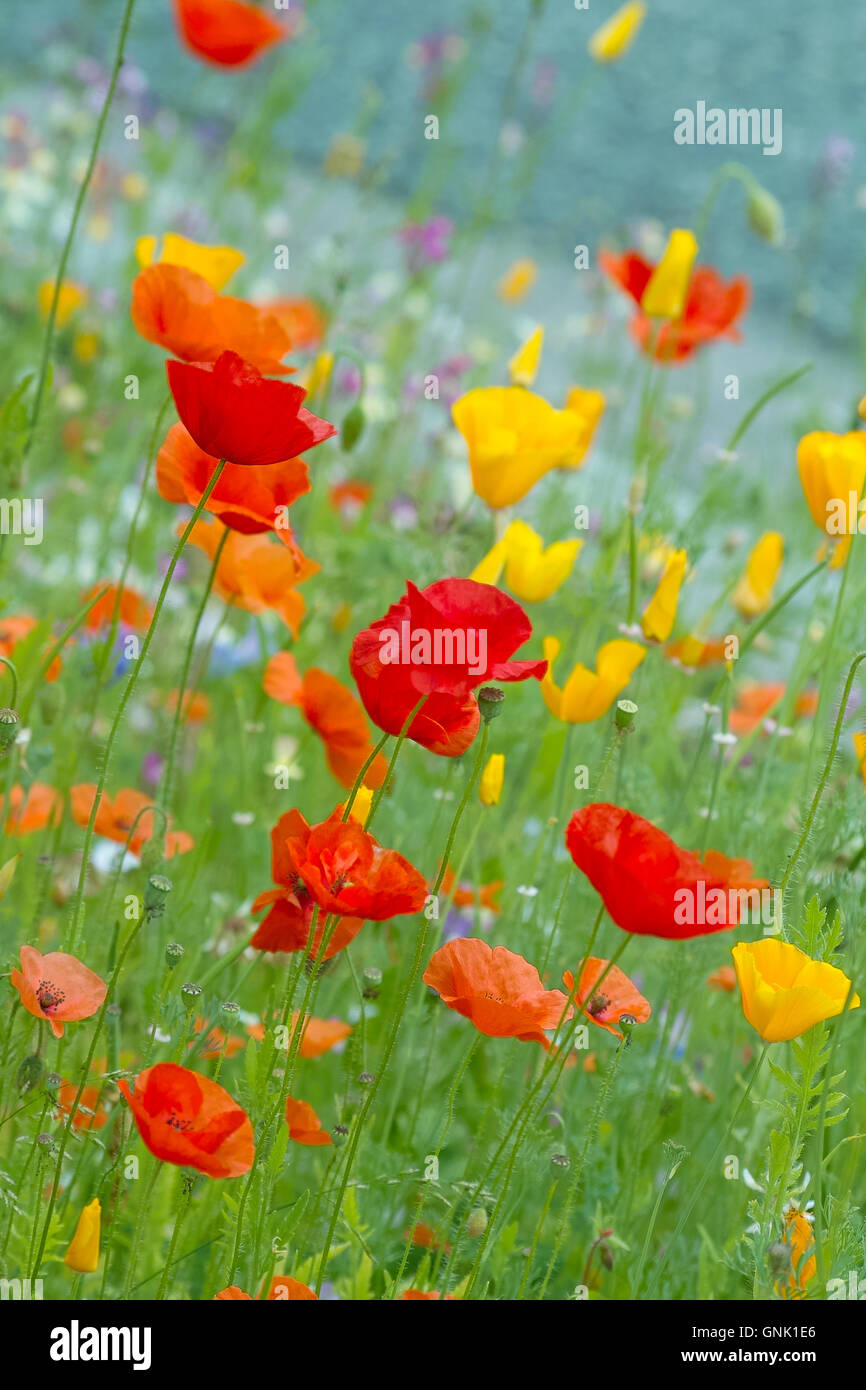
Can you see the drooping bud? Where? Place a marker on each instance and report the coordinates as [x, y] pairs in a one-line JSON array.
[[352, 428], [29, 1074], [476, 1223]]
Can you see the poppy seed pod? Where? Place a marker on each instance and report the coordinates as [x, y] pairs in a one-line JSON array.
[[155, 894], [190, 993], [624, 714], [174, 954], [10, 723], [372, 981], [490, 702]]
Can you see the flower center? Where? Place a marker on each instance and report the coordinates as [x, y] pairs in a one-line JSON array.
[[49, 996], [597, 1004]]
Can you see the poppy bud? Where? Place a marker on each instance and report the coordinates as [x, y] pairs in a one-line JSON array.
[[492, 779], [606, 1255], [29, 1074], [155, 894], [230, 1008], [476, 1223], [190, 993], [372, 981], [559, 1163], [152, 853], [490, 701], [352, 428], [174, 954], [624, 714], [9, 726], [766, 216], [83, 1252]]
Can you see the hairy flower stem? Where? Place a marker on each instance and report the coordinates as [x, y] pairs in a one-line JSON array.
[[180, 1216], [78, 901], [380, 791]]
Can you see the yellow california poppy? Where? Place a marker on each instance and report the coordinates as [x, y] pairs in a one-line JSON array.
[[517, 280], [754, 592], [532, 572], [665, 293], [785, 992], [660, 613], [492, 779], [216, 264], [618, 33], [523, 367], [587, 695], [832, 471], [83, 1252], [70, 298]]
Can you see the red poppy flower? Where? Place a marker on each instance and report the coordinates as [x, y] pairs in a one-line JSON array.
[[88, 1114], [305, 1127], [615, 996], [724, 979], [498, 990], [227, 33], [255, 574], [57, 987], [283, 1288], [287, 925], [187, 1119], [179, 310], [231, 1294], [650, 886], [711, 310], [334, 713], [34, 809], [132, 610], [443, 642], [248, 499], [115, 819], [425, 1236], [318, 1037], [347, 872], [755, 703], [234, 413]]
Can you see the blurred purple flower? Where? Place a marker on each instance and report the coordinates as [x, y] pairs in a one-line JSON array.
[[151, 768], [427, 242], [835, 164]]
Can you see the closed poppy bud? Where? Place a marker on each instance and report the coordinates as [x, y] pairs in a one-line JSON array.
[[189, 994], [83, 1252], [665, 294], [766, 216], [618, 33], [9, 726], [779, 1257], [29, 1074], [523, 367], [372, 982], [352, 428], [661, 612], [492, 778], [785, 992], [754, 592], [476, 1223]]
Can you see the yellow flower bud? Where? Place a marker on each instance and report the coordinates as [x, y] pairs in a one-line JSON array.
[[618, 33], [665, 294], [523, 367], [660, 613], [83, 1252], [492, 778]]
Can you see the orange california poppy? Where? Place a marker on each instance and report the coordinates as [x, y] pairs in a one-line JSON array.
[[319, 1036], [287, 925], [346, 871], [497, 989], [187, 1119], [724, 979], [256, 575], [302, 319], [57, 987], [615, 996], [227, 33], [133, 610], [247, 498], [231, 1294], [116, 817], [179, 311], [466, 896], [305, 1127], [195, 706], [13, 629], [335, 714], [696, 652], [34, 809], [88, 1113], [804, 1264], [757, 702], [711, 310], [283, 1288]]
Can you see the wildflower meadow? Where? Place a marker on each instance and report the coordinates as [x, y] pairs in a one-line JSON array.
[[433, 754]]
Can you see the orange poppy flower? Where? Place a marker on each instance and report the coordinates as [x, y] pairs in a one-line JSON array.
[[179, 311], [349, 498], [302, 319], [287, 925], [804, 1265], [615, 996], [256, 575], [115, 819], [187, 1119], [34, 809], [711, 310], [88, 1113], [725, 978], [333, 712], [346, 871], [756, 702], [417, 1295], [248, 498], [424, 1235], [227, 33], [305, 1127], [133, 610], [231, 1294], [283, 1288], [195, 706], [499, 991], [13, 630], [57, 987], [697, 652], [217, 1042], [319, 1036], [466, 896]]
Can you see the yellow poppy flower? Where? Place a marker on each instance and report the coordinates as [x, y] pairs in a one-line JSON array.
[[517, 280], [71, 297], [665, 294], [618, 33], [83, 1252], [514, 437], [492, 778], [860, 750], [531, 572], [523, 367], [784, 992], [587, 695], [319, 374], [660, 613], [361, 805], [832, 470], [216, 264], [754, 592]]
